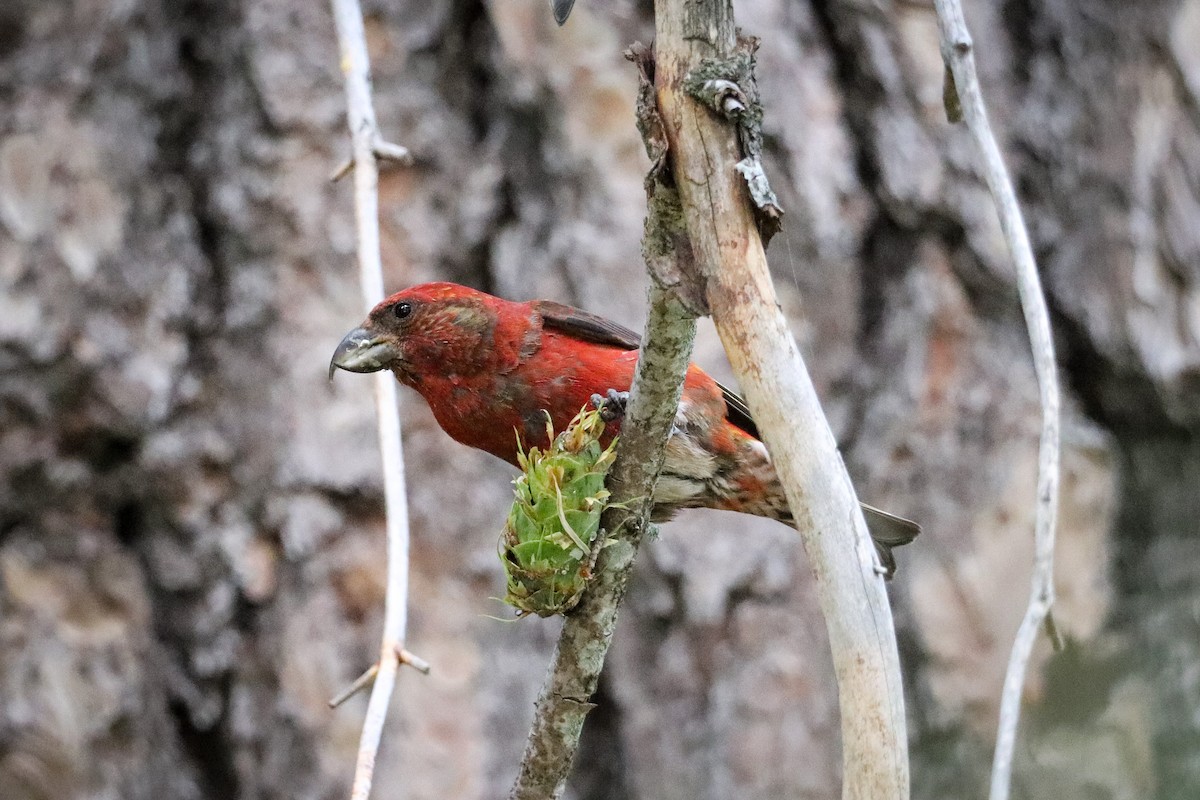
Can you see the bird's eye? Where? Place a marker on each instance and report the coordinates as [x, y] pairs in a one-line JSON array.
[[402, 310]]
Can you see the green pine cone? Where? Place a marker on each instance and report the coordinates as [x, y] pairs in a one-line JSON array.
[[550, 540]]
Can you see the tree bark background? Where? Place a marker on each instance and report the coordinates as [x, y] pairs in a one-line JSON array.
[[190, 532]]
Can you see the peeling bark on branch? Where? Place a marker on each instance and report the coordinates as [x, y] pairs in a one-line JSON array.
[[731, 260], [727, 86]]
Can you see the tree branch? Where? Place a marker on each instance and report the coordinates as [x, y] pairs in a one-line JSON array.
[[697, 40], [368, 145], [587, 631], [960, 61]]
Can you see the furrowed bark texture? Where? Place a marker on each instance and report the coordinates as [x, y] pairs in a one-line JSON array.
[[732, 264], [190, 516]]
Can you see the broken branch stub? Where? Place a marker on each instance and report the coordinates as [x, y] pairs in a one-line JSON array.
[[728, 88]]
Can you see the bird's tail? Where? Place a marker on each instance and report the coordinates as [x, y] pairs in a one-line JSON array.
[[888, 531]]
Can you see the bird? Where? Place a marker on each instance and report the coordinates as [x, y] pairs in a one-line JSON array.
[[492, 370]]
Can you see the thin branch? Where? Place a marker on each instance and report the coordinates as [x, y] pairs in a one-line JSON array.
[[367, 679], [957, 53], [696, 42], [360, 683], [413, 660], [352, 44], [587, 631], [666, 348]]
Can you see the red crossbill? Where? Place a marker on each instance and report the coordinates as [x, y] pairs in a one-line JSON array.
[[491, 369]]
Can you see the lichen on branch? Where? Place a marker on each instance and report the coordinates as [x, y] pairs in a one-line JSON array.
[[587, 631]]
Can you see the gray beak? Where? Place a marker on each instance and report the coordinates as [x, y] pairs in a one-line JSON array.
[[360, 351]]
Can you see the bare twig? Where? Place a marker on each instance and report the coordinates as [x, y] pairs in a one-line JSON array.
[[957, 53], [367, 679], [697, 40], [352, 44], [384, 151], [587, 631], [413, 660], [360, 683]]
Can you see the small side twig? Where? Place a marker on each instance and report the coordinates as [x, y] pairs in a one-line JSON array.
[[383, 150], [415, 661], [360, 683], [368, 678], [960, 61], [368, 146]]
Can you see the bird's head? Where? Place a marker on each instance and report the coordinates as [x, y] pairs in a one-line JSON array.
[[433, 328]]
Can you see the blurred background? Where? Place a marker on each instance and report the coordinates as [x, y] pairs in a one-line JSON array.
[[191, 541]]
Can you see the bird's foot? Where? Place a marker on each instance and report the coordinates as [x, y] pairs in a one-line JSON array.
[[612, 405]]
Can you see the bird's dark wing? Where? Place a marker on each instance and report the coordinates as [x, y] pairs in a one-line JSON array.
[[585, 326], [737, 412], [590, 327]]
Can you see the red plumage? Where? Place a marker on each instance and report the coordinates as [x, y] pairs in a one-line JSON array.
[[491, 369]]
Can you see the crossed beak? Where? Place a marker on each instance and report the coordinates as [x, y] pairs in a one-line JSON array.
[[362, 351]]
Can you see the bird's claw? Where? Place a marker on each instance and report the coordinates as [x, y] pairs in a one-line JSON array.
[[612, 405]]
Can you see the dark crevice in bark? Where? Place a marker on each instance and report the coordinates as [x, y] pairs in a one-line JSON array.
[[847, 28], [890, 242], [12, 28], [468, 76], [471, 267], [210, 54], [1020, 18], [104, 450], [891, 239], [887, 254], [1153, 569], [128, 523], [469, 83], [886, 245], [535, 189], [518, 131], [186, 121], [210, 750], [862, 92], [890, 250], [1120, 400]]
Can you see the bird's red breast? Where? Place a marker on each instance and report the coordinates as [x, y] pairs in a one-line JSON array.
[[492, 369]]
